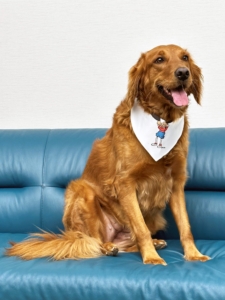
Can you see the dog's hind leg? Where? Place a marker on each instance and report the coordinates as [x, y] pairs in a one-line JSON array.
[[83, 213]]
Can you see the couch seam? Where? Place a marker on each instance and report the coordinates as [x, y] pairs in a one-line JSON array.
[[42, 184]]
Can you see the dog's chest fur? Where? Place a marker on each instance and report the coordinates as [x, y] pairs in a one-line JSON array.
[[153, 188]]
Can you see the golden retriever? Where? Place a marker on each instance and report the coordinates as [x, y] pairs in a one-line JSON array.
[[118, 202]]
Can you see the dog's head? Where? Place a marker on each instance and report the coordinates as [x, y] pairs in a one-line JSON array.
[[165, 76]]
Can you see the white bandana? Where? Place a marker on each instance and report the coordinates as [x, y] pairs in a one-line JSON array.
[[157, 138]]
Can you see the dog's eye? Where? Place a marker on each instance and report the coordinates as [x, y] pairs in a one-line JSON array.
[[185, 58], [159, 60]]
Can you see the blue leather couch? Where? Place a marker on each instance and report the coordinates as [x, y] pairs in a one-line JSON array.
[[36, 166]]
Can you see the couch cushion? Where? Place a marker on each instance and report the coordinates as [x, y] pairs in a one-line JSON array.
[[122, 277], [66, 154], [206, 160], [206, 213], [20, 209], [21, 157]]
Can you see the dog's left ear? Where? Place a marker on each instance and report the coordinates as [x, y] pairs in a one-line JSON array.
[[135, 75], [196, 87]]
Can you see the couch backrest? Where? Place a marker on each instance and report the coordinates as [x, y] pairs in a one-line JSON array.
[[36, 166]]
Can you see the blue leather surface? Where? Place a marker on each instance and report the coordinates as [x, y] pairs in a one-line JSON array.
[[66, 154], [21, 157], [206, 211], [206, 161], [52, 208], [36, 166], [122, 277], [20, 209], [45, 160]]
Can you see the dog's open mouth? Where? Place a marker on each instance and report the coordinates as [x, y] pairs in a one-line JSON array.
[[178, 95]]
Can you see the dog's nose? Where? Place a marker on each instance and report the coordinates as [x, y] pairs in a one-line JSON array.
[[182, 73]]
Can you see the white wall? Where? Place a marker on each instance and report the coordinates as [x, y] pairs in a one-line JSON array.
[[64, 63]]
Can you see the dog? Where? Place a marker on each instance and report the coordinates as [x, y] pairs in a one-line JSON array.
[[118, 203]]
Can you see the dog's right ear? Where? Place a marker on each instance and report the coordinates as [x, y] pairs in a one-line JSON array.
[[135, 75], [196, 87]]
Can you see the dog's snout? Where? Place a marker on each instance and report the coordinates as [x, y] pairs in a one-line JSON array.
[[182, 73]]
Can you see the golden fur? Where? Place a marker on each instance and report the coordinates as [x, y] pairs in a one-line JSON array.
[[117, 203]]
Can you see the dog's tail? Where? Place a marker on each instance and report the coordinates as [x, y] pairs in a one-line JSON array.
[[67, 245]]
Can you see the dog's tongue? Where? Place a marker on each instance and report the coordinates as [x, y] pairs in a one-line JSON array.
[[179, 97]]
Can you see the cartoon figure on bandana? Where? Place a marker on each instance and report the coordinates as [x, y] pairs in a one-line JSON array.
[[162, 126]]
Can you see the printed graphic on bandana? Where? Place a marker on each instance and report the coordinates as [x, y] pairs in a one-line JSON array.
[[160, 135], [158, 138]]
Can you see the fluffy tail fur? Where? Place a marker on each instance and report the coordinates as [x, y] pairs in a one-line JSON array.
[[68, 245]]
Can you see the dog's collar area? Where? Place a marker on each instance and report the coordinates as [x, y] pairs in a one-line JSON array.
[[157, 118]]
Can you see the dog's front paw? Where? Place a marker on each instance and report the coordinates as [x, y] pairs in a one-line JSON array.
[[155, 261], [197, 257]]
